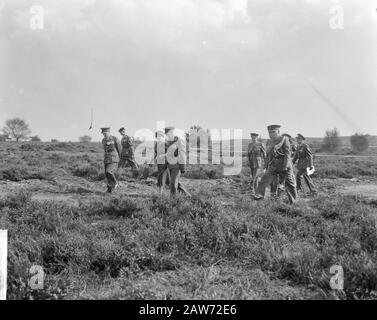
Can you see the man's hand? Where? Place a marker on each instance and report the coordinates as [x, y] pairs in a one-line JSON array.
[[182, 168]]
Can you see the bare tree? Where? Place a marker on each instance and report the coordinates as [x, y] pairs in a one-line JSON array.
[[17, 129]]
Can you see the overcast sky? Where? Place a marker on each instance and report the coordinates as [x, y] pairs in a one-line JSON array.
[[216, 63]]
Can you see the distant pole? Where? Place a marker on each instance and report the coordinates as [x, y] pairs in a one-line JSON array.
[[3, 263]]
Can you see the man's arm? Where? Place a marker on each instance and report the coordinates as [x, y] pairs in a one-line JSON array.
[[309, 155], [263, 151], [248, 155], [181, 154], [295, 156], [118, 146], [249, 148], [286, 148], [130, 141]]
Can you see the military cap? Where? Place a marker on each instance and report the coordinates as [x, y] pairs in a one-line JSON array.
[[287, 135], [253, 134], [167, 129], [107, 129], [300, 136], [273, 127], [122, 129]]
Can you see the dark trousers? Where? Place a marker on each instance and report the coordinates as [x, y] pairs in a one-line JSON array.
[[256, 173], [309, 182], [274, 185], [110, 174], [271, 176], [162, 175], [127, 162], [173, 174]]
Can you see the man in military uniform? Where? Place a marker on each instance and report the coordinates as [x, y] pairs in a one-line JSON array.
[[278, 184], [279, 162], [176, 160], [112, 148], [256, 154], [127, 155], [160, 158], [304, 156]]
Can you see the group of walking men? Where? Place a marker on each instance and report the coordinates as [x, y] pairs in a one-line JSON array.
[[271, 165], [169, 154]]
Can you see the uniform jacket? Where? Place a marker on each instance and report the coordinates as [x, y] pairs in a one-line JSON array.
[[255, 153], [176, 152], [160, 149], [127, 146], [279, 153], [304, 156], [112, 149], [293, 148]]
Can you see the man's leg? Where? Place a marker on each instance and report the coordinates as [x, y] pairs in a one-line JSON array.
[[132, 163], [109, 173], [161, 176], [253, 173], [268, 177], [300, 172], [258, 175], [175, 174], [290, 186], [160, 173], [120, 165], [309, 182], [274, 185], [183, 190]]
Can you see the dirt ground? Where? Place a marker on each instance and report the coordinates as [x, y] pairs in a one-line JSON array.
[[76, 190]]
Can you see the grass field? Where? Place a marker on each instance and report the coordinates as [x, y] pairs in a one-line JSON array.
[[219, 244]]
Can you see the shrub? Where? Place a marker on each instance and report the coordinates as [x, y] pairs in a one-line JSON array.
[[359, 142], [122, 207], [87, 171], [331, 141], [35, 139], [85, 139], [16, 200]]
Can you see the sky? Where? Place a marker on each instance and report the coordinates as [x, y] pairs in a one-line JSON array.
[[224, 64]]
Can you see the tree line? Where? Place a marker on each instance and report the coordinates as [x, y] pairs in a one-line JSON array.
[[16, 129]]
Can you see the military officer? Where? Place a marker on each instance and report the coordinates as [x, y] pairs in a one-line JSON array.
[[127, 157], [256, 154], [112, 149], [279, 162], [176, 160], [160, 158], [278, 184], [304, 156], [292, 143]]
